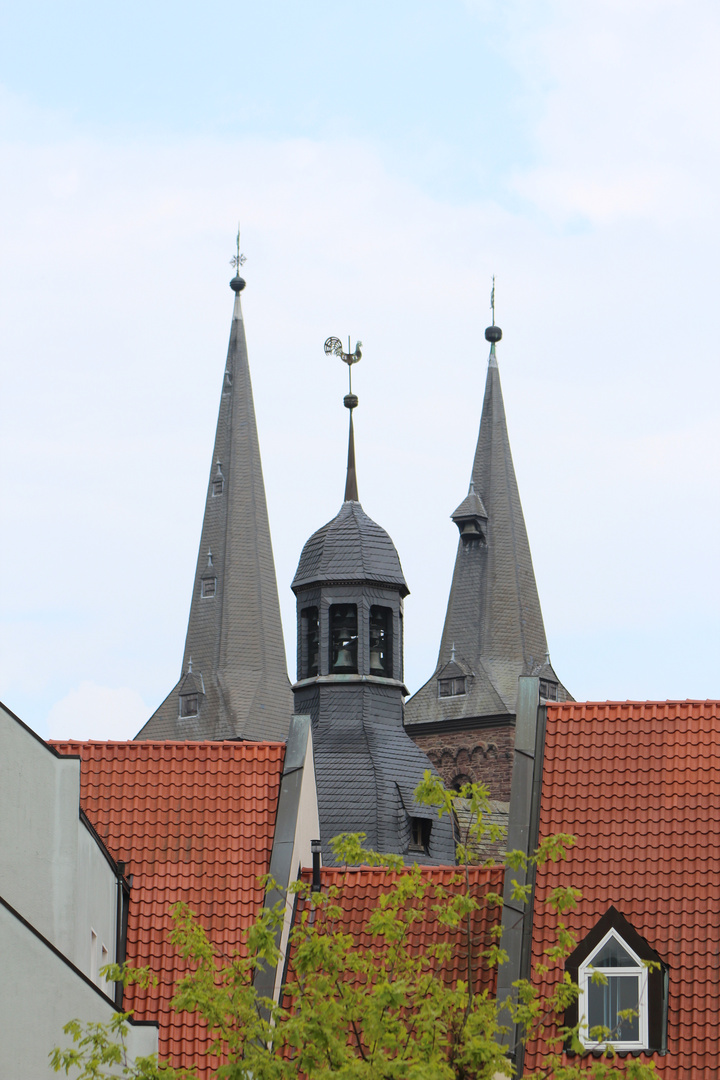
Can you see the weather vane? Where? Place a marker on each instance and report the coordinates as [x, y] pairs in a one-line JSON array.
[[333, 347], [238, 260], [492, 296]]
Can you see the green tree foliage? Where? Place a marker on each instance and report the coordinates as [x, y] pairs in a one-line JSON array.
[[357, 1011]]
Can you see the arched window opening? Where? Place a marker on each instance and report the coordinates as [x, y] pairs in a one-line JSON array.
[[343, 639], [310, 649], [381, 641]]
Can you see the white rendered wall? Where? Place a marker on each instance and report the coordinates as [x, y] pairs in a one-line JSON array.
[[39, 994], [52, 870]]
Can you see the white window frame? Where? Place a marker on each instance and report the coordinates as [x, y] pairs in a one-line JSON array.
[[639, 969]]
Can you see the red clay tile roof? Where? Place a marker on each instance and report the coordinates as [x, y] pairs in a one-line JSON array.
[[193, 822], [360, 889], [638, 784]]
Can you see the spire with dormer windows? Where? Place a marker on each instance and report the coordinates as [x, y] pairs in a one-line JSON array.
[[494, 630], [236, 685]]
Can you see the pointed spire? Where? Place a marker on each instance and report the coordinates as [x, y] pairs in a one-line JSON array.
[[493, 617], [351, 488], [234, 630]]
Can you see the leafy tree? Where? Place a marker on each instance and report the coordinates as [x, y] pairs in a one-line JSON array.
[[370, 1010]]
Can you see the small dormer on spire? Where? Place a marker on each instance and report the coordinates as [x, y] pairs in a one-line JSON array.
[[191, 693], [208, 581], [471, 518], [333, 347]]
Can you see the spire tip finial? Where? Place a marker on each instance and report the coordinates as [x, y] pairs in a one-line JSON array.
[[333, 347], [237, 284], [493, 333]]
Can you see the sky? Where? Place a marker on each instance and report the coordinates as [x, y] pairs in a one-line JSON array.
[[384, 160]]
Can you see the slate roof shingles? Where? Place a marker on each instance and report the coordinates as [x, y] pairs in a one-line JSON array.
[[351, 547]]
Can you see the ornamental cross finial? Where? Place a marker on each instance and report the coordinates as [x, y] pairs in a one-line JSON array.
[[492, 300], [238, 259]]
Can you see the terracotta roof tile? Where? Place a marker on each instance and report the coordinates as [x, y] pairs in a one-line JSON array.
[[193, 822], [638, 784], [360, 889]]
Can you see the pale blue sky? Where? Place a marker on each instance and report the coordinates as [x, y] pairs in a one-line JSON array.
[[385, 159]]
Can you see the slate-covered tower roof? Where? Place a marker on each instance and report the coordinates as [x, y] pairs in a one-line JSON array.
[[234, 681], [350, 589], [494, 630]]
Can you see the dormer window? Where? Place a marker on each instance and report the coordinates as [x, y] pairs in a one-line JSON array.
[[218, 481], [343, 639], [381, 641], [548, 690], [454, 687], [189, 704], [622, 988], [208, 587], [420, 829], [608, 997]]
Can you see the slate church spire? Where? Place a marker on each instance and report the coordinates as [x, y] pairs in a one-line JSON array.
[[494, 630], [350, 590], [234, 681]]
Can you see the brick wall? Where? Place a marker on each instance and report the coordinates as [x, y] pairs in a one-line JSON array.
[[484, 755]]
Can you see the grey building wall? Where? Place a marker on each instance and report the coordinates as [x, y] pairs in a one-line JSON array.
[[40, 991], [52, 869]]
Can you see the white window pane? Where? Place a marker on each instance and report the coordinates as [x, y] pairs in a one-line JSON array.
[[620, 992]]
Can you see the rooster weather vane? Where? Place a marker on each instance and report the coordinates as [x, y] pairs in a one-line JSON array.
[[333, 347]]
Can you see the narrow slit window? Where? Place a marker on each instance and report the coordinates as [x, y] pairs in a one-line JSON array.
[[93, 956], [343, 639], [420, 835], [381, 641], [311, 642]]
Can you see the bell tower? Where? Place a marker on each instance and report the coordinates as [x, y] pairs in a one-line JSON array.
[[350, 589]]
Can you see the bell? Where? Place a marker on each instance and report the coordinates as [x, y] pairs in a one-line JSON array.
[[376, 660], [344, 658]]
